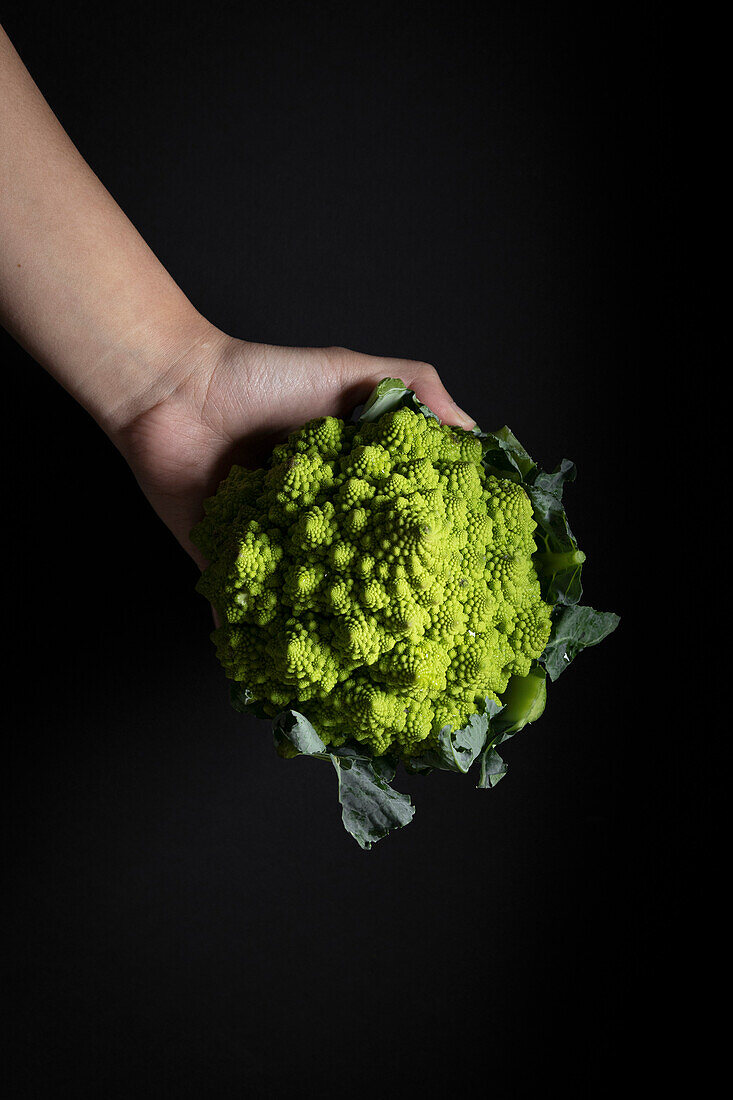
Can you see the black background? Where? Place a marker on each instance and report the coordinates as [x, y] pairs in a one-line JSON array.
[[185, 911]]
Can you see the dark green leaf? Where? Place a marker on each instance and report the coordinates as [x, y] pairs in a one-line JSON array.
[[554, 482], [492, 769], [370, 807], [558, 560], [390, 394], [415, 766], [457, 749], [573, 629], [504, 455], [293, 730]]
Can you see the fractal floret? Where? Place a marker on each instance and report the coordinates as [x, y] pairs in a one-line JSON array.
[[375, 578]]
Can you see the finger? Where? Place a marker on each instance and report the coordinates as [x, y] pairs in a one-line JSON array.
[[426, 382], [420, 377]]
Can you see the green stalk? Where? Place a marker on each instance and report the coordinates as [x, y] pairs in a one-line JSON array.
[[550, 564], [524, 701]]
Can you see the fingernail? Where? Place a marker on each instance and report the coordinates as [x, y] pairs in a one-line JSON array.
[[468, 421]]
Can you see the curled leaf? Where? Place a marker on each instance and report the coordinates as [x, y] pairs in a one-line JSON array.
[[492, 769], [574, 629], [370, 807]]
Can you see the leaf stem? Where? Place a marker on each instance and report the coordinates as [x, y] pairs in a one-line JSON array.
[[551, 563]]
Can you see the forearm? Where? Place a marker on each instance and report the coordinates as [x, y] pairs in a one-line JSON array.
[[80, 289]]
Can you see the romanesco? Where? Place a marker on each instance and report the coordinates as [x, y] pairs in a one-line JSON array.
[[375, 578]]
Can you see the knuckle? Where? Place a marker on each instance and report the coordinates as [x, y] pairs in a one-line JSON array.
[[425, 370]]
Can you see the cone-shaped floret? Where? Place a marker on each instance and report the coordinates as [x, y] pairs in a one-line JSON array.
[[417, 668], [367, 463], [303, 661], [295, 484], [358, 638], [325, 436], [314, 530]]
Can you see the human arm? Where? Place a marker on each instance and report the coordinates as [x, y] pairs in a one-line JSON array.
[[83, 293]]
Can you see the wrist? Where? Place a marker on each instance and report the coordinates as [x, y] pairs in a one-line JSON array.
[[150, 366]]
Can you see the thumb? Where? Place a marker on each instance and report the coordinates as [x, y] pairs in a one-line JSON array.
[[420, 377], [426, 382]]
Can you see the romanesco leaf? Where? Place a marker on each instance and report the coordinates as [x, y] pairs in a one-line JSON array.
[[574, 629]]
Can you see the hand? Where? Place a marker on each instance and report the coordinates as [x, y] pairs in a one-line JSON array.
[[84, 294], [227, 400]]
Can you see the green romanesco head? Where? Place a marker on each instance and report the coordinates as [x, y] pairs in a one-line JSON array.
[[374, 578]]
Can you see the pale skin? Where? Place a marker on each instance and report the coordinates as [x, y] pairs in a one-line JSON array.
[[83, 293]]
